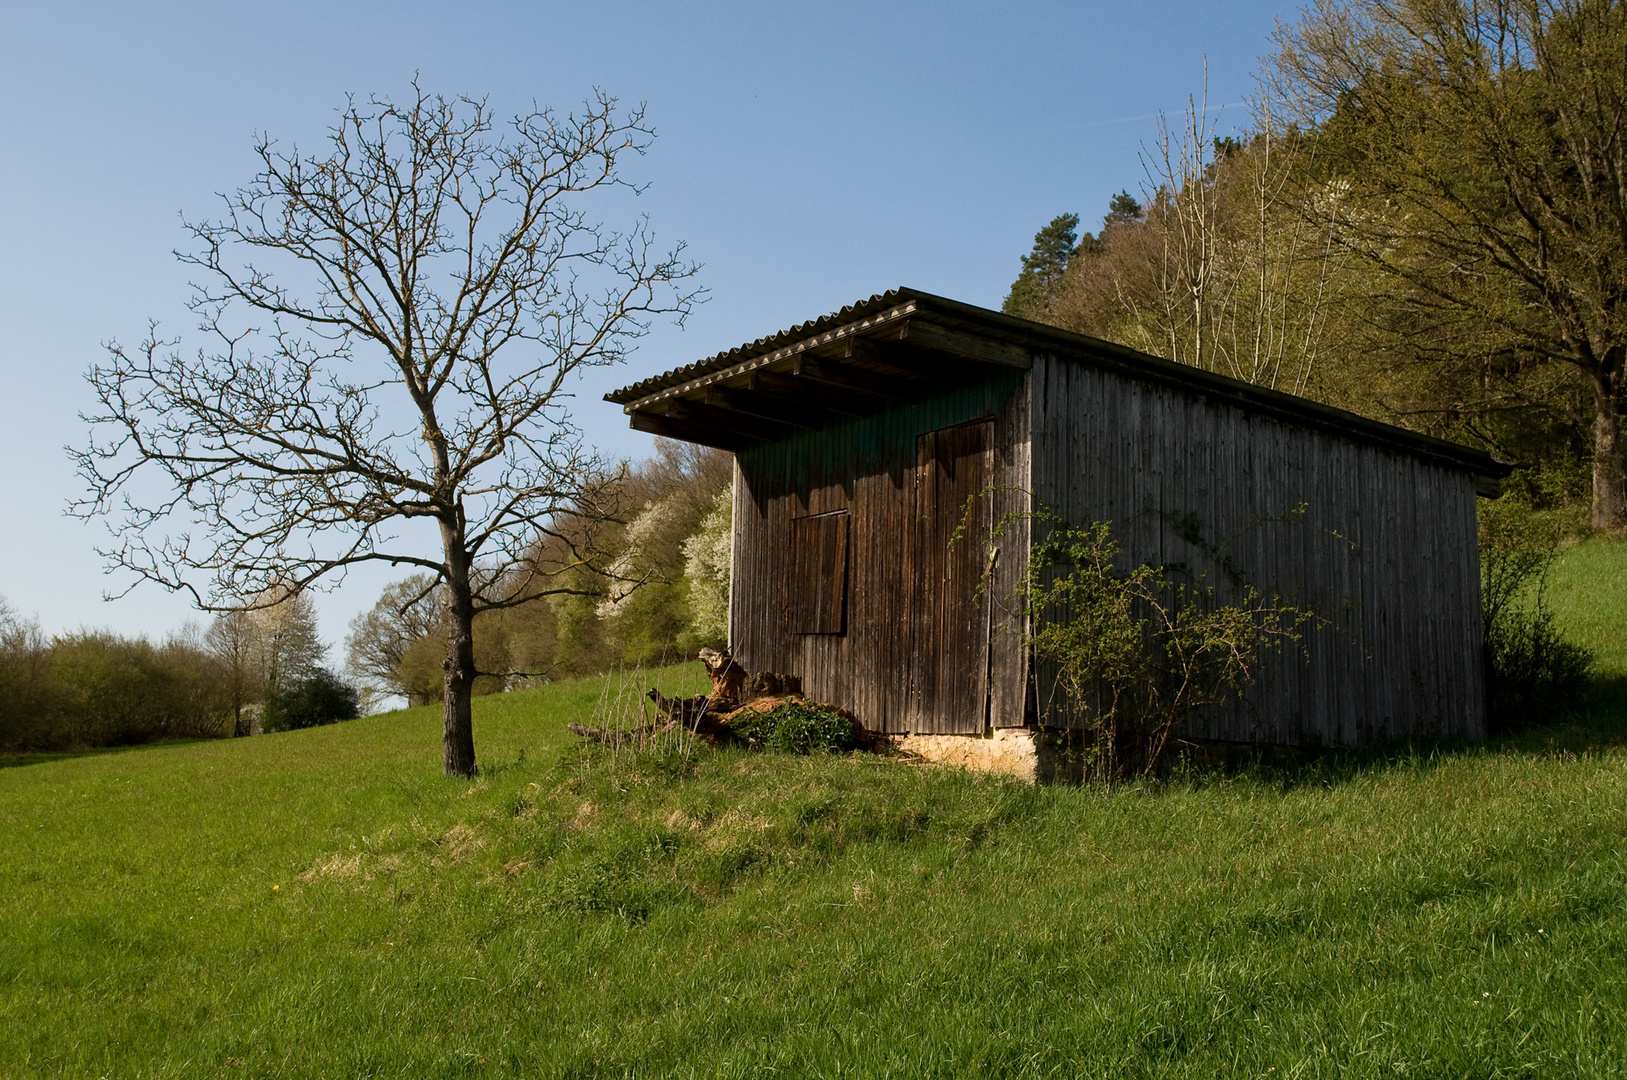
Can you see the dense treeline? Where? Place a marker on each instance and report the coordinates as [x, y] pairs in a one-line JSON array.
[[252, 669], [642, 580], [1425, 222], [93, 688]]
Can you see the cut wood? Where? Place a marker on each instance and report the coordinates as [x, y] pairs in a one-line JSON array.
[[613, 737], [734, 691], [728, 679]]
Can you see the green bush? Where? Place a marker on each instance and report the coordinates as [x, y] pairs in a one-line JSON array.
[[1532, 674], [1134, 652], [95, 688], [27, 705], [799, 727], [321, 698]]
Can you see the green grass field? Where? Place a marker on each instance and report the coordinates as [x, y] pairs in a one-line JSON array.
[[323, 903]]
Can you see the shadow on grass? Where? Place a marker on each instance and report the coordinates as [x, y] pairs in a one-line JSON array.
[[18, 758], [1600, 721], [1598, 725]]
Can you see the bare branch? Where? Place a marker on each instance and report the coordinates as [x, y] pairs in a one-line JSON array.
[[434, 280]]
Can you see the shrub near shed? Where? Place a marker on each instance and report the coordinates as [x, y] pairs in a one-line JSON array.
[[798, 727]]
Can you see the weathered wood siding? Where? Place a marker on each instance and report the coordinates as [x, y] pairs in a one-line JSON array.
[[1384, 550], [872, 472]]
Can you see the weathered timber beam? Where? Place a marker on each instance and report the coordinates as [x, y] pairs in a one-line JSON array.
[[852, 379], [655, 424], [753, 427], [770, 407], [803, 390], [900, 359], [943, 339]]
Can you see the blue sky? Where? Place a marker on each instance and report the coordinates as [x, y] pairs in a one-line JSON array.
[[808, 155]]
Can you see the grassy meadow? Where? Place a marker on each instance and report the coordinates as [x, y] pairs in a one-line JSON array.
[[324, 903]]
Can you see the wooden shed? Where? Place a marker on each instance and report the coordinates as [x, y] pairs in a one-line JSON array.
[[864, 439]]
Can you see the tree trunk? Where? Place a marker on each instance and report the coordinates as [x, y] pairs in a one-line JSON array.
[[1609, 455], [241, 727], [458, 735]]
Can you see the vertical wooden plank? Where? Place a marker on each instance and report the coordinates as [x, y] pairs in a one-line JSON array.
[[1399, 579]]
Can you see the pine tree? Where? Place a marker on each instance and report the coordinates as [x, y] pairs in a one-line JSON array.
[[1043, 267]]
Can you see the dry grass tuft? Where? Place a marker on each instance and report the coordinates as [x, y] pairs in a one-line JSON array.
[[462, 841], [337, 868], [584, 816]]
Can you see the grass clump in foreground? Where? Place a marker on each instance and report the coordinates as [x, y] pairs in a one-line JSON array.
[[324, 903]]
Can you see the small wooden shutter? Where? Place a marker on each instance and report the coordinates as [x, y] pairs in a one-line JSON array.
[[817, 583]]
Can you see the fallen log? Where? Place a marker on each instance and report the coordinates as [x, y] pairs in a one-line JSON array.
[[728, 679], [612, 737], [679, 710], [734, 692]]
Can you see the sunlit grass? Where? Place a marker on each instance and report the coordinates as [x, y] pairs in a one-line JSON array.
[[325, 903], [1587, 588]]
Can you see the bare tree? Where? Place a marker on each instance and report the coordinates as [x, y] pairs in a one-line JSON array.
[[231, 639], [440, 285], [1184, 199], [406, 613], [1244, 275]]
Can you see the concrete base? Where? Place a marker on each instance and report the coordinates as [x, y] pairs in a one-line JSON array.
[[1008, 752]]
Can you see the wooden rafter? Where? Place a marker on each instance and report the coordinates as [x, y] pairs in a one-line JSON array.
[[899, 359], [703, 415], [852, 379], [656, 424], [754, 402], [796, 390]]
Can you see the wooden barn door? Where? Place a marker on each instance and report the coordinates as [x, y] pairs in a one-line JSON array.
[[949, 625]]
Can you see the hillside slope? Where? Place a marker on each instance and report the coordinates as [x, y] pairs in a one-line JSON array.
[[324, 903]]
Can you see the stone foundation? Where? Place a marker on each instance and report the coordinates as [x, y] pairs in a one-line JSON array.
[[1008, 752]]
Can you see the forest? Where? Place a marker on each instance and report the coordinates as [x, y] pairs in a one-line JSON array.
[[1424, 221]]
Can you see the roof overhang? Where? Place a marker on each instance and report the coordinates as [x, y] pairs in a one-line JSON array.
[[907, 345]]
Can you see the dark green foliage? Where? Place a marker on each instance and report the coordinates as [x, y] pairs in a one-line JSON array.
[[1134, 652], [1121, 210], [799, 727], [1055, 248], [319, 698], [1533, 674], [1043, 267]]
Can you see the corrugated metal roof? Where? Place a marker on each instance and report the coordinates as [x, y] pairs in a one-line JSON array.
[[999, 326], [878, 302]]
